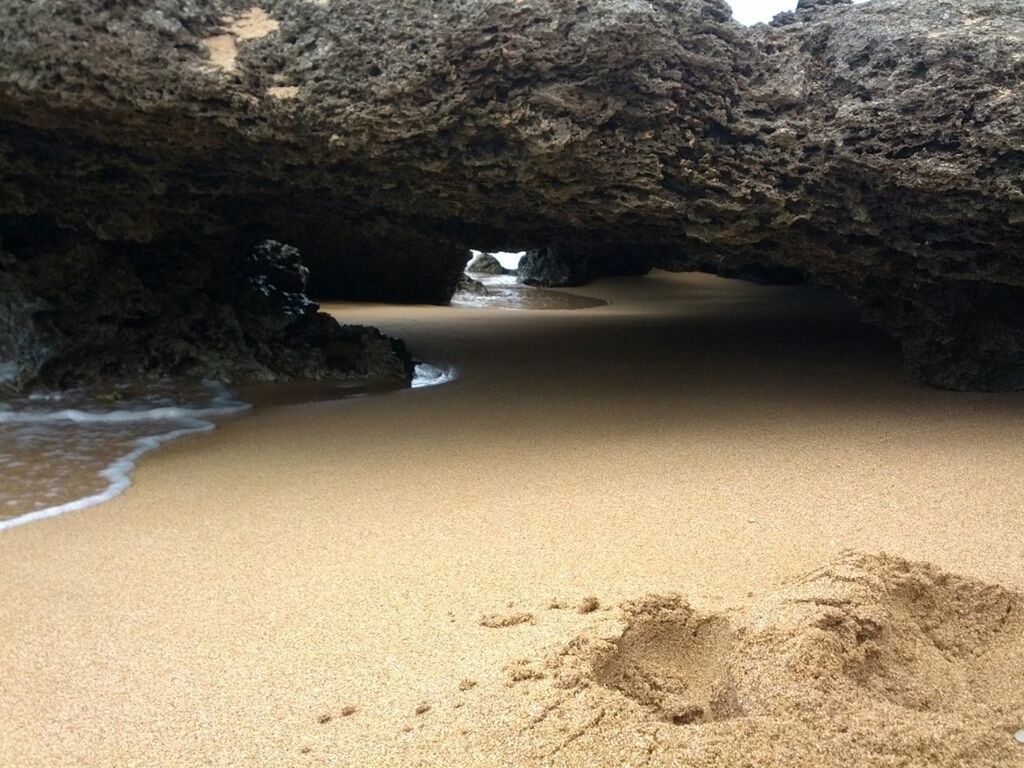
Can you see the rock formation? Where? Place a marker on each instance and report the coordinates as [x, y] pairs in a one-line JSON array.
[[74, 311], [485, 264], [471, 287], [561, 264], [875, 148]]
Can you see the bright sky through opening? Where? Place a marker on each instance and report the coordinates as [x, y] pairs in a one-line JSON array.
[[753, 11]]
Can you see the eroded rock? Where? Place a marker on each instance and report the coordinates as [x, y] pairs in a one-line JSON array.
[[874, 148], [485, 264], [566, 264], [77, 311]]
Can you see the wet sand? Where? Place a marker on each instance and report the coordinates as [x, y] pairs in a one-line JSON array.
[[699, 436]]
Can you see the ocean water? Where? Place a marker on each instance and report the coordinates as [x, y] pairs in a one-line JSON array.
[[428, 375], [66, 451], [507, 259], [506, 292]]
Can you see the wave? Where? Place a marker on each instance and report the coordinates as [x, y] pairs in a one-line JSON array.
[[67, 451]]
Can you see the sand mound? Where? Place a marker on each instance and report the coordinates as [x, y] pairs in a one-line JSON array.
[[870, 661]]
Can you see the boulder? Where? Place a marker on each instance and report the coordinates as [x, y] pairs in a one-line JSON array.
[[485, 264], [468, 286], [875, 148], [564, 264], [553, 267]]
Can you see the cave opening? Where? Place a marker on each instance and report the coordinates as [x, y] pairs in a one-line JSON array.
[[508, 260]]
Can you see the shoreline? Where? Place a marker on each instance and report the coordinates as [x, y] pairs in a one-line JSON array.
[[193, 420], [696, 435]]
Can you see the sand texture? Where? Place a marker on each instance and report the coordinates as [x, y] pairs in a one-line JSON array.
[[643, 534], [869, 661]]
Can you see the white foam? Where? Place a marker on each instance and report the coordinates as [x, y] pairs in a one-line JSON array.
[[75, 416], [95, 423], [117, 475], [33, 420], [427, 375]]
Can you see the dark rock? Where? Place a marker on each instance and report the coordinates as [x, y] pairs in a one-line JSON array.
[[906, 193], [76, 311], [375, 263], [486, 264], [21, 350], [288, 337], [875, 148], [960, 336], [804, 5], [553, 266], [469, 286], [271, 283], [563, 264]]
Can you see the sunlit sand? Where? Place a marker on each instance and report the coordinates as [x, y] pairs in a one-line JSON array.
[[308, 584]]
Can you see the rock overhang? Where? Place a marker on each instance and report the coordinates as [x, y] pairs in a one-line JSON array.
[[875, 148]]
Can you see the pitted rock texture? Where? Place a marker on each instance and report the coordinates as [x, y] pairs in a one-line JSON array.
[[75, 311], [875, 148]]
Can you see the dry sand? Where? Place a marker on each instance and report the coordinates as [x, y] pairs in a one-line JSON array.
[[401, 580]]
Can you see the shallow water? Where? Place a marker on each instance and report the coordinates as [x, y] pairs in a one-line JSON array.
[[66, 451], [505, 292]]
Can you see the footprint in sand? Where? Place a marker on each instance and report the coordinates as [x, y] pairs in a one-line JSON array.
[[674, 660], [870, 657]]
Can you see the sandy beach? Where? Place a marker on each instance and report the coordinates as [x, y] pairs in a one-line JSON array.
[[399, 580]]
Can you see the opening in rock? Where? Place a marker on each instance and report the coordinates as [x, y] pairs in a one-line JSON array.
[[507, 260], [492, 280]]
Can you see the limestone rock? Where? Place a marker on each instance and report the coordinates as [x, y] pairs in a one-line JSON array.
[[76, 312], [875, 148]]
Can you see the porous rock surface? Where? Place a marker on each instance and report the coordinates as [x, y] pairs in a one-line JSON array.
[[874, 148], [75, 311]]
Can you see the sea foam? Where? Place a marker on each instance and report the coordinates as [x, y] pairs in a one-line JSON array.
[[62, 452], [67, 451]]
